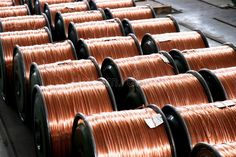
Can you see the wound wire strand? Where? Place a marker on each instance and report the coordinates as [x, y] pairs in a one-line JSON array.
[[142, 67], [68, 71], [153, 26], [98, 29], [20, 10], [18, 23], [114, 4], [125, 133], [63, 102], [43, 2], [209, 123], [180, 40], [5, 3], [178, 90], [115, 47], [211, 58], [132, 13]]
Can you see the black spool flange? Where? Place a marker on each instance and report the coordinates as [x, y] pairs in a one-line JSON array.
[[217, 89], [203, 38], [204, 150], [37, 7], [149, 45], [31, 6], [83, 142], [180, 60], [179, 131]]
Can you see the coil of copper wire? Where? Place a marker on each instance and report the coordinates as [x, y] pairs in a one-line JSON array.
[[95, 29], [39, 4], [153, 26], [140, 67], [130, 133], [5, 3], [41, 54], [94, 5], [51, 9], [168, 41], [63, 20], [20, 23], [131, 13], [179, 90], [115, 47], [211, 58], [8, 41], [64, 72], [55, 108], [221, 82], [20, 10], [213, 123], [218, 150]]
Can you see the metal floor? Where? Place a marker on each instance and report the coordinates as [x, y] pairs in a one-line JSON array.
[[216, 18]]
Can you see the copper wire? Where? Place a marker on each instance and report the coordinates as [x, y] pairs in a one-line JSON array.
[[153, 26], [19, 23], [98, 29], [178, 90], [132, 13], [23, 38], [115, 47], [125, 133], [46, 53], [68, 71], [66, 8], [5, 3], [209, 123], [43, 2], [180, 40], [225, 150], [147, 66], [20, 10], [80, 17], [63, 102], [211, 58], [227, 77], [114, 4]]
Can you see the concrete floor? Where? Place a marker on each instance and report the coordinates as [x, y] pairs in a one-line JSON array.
[[214, 17]]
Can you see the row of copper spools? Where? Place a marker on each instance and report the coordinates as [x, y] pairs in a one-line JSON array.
[[146, 131]]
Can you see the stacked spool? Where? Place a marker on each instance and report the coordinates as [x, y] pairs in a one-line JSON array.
[[53, 81]]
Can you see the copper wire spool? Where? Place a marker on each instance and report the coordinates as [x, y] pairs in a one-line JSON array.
[[212, 123], [41, 54], [39, 4], [221, 82], [169, 41], [19, 23], [5, 3], [140, 67], [218, 150], [55, 108], [94, 5], [64, 72], [123, 133], [51, 9], [131, 13], [20, 10], [211, 58], [63, 20], [95, 29], [115, 47], [179, 90], [8, 41], [153, 26]]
